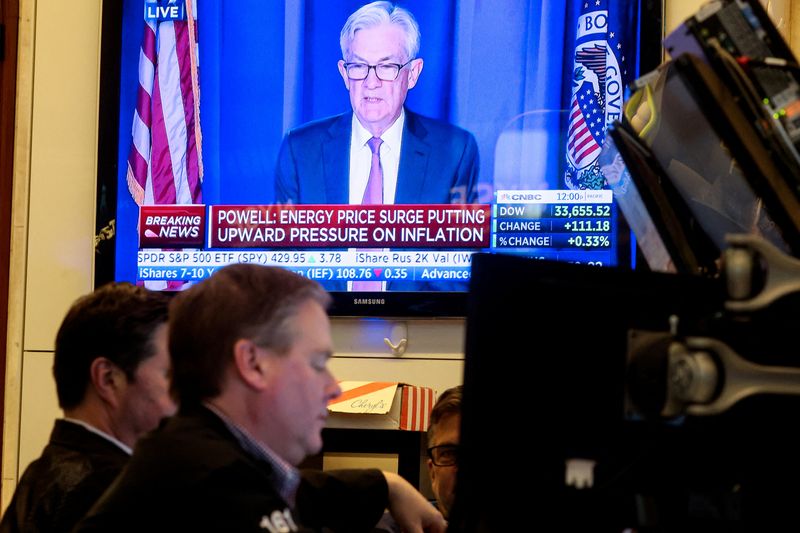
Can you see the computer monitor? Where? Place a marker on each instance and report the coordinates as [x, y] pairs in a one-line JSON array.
[[668, 235], [702, 168], [549, 385]]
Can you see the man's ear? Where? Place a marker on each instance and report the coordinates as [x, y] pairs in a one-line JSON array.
[[414, 71], [250, 362], [343, 74], [107, 379]]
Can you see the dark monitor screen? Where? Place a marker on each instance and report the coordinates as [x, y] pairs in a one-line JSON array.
[[668, 235], [712, 170], [265, 68], [548, 389]]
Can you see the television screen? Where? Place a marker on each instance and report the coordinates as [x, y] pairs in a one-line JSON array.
[[227, 132]]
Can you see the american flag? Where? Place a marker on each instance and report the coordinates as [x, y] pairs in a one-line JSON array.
[[604, 63], [586, 127], [165, 160]]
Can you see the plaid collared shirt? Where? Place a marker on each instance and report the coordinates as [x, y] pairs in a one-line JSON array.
[[287, 476]]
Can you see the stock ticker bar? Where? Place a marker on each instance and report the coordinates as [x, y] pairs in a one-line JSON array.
[[376, 243], [567, 225]]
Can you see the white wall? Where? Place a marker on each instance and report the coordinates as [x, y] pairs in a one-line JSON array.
[[53, 209], [676, 11]]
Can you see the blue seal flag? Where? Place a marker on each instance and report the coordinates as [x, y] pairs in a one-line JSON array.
[[604, 62]]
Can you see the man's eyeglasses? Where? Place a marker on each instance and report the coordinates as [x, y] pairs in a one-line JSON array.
[[444, 454], [384, 71]]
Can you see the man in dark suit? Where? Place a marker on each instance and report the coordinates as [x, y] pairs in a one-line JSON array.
[[420, 160], [423, 160], [111, 368], [250, 348]]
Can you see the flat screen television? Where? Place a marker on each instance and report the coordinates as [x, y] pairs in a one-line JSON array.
[[263, 68]]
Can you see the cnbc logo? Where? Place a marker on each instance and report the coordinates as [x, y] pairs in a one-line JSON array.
[[161, 10]]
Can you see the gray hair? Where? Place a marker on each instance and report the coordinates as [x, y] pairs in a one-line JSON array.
[[376, 14]]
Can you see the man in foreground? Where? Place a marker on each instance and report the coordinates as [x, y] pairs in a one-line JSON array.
[[250, 348], [111, 369]]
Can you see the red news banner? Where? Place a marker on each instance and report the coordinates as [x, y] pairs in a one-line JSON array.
[[327, 226]]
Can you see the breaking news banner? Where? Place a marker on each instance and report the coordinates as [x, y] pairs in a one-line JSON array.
[[317, 226], [175, 226], [375, 243]]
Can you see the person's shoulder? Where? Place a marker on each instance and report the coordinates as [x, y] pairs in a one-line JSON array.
[[436, 127], [61, 461], [197, 427], [69, 437], [320, 126], [196, 442]]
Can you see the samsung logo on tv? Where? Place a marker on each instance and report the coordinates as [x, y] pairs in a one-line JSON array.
[[369, 301], [160, 10]]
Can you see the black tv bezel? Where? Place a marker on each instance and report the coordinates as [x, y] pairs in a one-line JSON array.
[[389, 304], [580, 391]]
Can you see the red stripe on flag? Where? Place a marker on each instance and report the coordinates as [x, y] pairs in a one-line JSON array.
[[149, 44], [143, 107], [404, 409], [415, 409], [583, 155], [183, 52], [138, 165], [584, 141], [428, 408], [160, 157]]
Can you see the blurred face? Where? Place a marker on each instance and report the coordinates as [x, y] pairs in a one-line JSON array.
[[299, 387], [378, 103], [443, 478], [145, 400], [613, 171]]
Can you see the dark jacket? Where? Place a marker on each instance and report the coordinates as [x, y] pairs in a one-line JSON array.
[[57, 489], [438, 163], [192, 475]]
